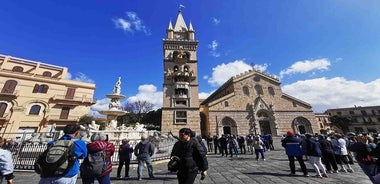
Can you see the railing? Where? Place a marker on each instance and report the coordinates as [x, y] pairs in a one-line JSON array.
[[74, 98], [28, 146], [58, 118]]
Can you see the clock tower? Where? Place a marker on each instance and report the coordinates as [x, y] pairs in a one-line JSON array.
[[180, 88]]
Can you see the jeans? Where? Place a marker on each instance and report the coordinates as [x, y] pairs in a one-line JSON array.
[[102, 180], [59, 180], [148, 161]]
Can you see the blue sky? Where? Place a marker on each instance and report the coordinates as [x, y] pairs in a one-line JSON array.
[[324, 52]]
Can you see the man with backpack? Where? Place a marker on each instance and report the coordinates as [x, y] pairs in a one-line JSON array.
[[144, 150], [62, 168], [6, 164], [97, 165]]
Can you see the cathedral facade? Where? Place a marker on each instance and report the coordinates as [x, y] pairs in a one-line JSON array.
[[250, 103]]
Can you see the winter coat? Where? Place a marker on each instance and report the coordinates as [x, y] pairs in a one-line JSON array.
[[97, 146], [144, 148], [292, 146], [191, 154], [311, 147], [125, 152]]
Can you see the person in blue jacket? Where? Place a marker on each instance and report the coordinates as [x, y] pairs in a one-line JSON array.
[[293, 149], [71, 132]]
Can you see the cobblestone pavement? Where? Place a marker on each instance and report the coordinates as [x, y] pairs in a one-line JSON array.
[[241, 169]]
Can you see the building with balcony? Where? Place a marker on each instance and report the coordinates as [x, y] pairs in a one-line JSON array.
[[359, 119], [35, 96]]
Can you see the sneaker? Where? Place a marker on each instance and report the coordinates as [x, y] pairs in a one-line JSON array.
[[306, 175], [151, 177], [336, 171], [318, 176], [330, 172], [343, 170], [126, 177], [140, 179], [325, 175], [292, 174], [263, 159], [350, 170]]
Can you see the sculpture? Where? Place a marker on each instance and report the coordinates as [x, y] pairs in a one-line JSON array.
[[117, 88], [93, 126]]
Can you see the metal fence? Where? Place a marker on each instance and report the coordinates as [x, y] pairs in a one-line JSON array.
[[25, 150]]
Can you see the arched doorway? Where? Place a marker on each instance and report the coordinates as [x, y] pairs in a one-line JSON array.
[[266, 123], [301, 125], [229, 126]]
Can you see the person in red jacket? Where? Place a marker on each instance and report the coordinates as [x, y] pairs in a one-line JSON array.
[[98, 143]]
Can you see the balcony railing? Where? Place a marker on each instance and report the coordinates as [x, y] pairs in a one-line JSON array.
[[59, 118], [81, 99], [6, 92]]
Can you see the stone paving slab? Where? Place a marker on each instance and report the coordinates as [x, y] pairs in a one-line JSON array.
[[236, 170]]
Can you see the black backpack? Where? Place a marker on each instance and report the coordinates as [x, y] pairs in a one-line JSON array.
[[94, 164], [56, 160]]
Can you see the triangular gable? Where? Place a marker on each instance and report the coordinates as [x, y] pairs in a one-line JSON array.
[[260, 105]]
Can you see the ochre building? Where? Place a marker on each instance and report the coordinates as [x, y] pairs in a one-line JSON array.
[[37, 97]]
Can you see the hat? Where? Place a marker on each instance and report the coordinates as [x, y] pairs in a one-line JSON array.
[[289, 132]]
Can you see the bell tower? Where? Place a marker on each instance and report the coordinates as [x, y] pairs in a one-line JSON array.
[[180, 88]]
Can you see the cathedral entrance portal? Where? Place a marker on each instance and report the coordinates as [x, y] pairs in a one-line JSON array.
[[301, 125], [265, 127], [302, 129], [227, 130], [229, 126]]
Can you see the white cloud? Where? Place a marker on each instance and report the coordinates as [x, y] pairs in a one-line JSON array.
[[223, 72], [149, 93], [338, 92], [213, 46], [215, 20], [81, 77], [100, 105], [132, 23], [307, 66], [204, 95]]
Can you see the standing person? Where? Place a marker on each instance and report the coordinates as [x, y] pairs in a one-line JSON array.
[[192, 157], [293, 150], [99, 143], [258, 145], [232, 145], [209, 143], [328, 157], [271, 147], [216, 144], [71, 131], [250, 143], [144, 150], [223, 145], [6, 164], [241, 143], [125, 155], [341, 152], [199, 139], [312, 149]]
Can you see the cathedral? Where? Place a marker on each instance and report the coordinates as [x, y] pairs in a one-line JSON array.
[[249, 103]]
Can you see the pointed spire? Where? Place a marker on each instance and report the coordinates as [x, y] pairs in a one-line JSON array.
[[170, 25], [191, 27], [180, 24]]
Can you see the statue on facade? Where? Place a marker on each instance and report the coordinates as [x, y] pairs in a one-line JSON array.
[[139, 127]]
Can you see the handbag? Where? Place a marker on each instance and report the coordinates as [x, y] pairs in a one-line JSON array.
[[174, 163]]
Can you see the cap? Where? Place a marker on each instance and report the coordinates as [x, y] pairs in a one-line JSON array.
[[289, 132]]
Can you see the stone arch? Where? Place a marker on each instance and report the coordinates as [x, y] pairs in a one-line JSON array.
[[229, 126], [301, 125], [265, 122]]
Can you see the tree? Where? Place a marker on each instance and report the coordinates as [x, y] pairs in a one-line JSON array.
[[341, 122], [152, 120], [140, 108]]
